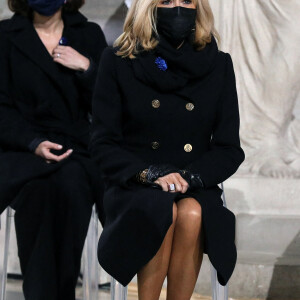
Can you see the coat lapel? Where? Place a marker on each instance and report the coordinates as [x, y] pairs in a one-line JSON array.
[[29, 43]]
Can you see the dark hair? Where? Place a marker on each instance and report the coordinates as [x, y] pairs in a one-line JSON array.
[[22, 7]]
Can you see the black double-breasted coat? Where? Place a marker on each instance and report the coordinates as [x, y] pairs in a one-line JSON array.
[[42, 100], [186, 115]]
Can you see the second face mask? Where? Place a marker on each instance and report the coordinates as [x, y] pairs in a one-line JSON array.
[[46, 7]]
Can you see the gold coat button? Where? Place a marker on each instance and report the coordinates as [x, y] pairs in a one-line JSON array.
[[190, 106], [188, 148], [155, 145], [155, 103]]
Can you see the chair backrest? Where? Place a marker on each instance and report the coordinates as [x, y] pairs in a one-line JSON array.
[[219, 292], [9, 215], [223, 195]]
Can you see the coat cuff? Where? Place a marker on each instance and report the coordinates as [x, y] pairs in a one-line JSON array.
[[86, 75], [194, 179], [34, 143]]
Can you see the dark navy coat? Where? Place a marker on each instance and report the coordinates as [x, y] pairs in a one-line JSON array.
[[40, 99]]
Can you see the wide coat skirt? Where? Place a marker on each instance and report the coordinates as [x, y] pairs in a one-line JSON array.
[[137, 220]]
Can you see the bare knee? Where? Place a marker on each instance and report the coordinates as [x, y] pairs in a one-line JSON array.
[[189, 213]]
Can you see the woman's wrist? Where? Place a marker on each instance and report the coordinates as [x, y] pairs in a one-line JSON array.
[[194, 180], [85, 65], [142, 176], [35, 143]]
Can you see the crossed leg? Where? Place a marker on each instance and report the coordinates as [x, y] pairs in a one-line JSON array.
[[179, 257], [187, 251]]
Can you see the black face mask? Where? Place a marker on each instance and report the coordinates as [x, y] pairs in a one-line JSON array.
[[46, 7], [176, 23]]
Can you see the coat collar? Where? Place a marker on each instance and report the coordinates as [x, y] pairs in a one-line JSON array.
[[183, 67], [27, 41]]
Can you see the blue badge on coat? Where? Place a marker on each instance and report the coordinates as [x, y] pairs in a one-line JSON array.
[[63, 41], [161, 63]]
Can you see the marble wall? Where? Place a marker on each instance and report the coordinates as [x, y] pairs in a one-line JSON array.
[[4, 12], [263, 39]]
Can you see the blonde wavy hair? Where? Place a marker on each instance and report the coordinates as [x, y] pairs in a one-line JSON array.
[[140, 23]]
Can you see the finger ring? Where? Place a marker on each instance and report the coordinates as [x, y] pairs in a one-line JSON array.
[[172, 187], [58, 55]]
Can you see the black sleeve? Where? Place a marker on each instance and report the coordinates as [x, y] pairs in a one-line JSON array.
[[117, 164], [86, 80], [225, 154], [16, 133]]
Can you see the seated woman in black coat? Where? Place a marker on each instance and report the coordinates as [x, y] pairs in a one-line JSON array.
[[166, 133], [48, 60]]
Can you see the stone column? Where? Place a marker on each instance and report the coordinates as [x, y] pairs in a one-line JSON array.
[[263, 39], [4, 11]]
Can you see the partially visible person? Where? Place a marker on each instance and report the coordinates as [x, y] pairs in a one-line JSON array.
[[49, 59]]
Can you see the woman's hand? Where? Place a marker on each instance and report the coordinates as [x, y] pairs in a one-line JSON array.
[[44, 148], [70, 58], [173, 178]]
